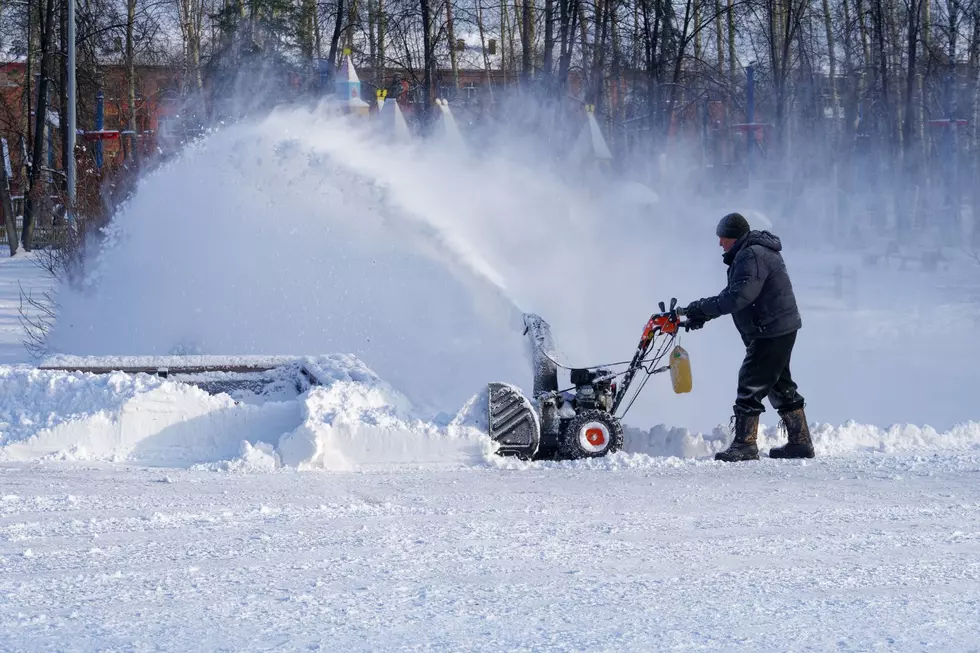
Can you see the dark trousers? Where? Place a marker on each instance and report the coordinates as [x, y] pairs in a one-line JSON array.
[[765, 373]]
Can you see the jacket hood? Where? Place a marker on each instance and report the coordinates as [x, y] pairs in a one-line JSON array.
[[763, 238]]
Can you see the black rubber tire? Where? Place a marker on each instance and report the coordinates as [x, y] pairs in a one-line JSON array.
[[606, 436]]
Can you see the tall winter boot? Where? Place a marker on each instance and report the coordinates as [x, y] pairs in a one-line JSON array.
[[743, 446], [798, 444]]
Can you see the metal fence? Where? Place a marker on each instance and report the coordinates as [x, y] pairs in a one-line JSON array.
[[49, 231], [43, 236]]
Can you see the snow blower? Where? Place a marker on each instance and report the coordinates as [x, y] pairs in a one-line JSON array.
[[584, 420]]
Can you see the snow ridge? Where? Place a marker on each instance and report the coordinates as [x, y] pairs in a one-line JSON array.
[[349, 419], [828, 439]]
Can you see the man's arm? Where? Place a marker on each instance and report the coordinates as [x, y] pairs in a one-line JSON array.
[[746, 283]]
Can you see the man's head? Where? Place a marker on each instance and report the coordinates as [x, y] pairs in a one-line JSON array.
[[731, 227]]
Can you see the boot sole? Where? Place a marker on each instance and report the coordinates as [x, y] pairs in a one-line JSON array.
[[737, 457], [785, 456]]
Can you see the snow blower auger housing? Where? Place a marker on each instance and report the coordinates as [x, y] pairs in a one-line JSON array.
[[580, 421]]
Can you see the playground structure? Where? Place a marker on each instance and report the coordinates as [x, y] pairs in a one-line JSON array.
[[591, 148], [347, 90], [390, 118]]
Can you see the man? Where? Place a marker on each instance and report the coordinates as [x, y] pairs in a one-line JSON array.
[[762, 304]]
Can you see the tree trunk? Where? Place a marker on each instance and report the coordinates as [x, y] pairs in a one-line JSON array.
[[307, 9], [850, 110], [317, 40], [335, 40], [833, 61], [863, 31], [197, 7], [372, 43], [190, 14], [382, 32], [428, 61], [6, 203], [602, 13], [353, 19], [719, 41], [451, 34], [568, 26], [35, 181], [503, 36], [616, 69], [29, 84], [697, 33], [527, 34], [926, 26], [549, 39], [908, 155], [731, 41], [974, 63], [483, 47], [131, 80], [879, 27], [63, 86], [683, 39], [914, 15], [954, 27]]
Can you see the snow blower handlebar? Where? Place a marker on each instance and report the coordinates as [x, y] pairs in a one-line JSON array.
[[667, 322]]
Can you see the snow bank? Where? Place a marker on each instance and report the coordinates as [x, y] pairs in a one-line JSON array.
[[358, 420], [348, 419], [828, 439], [120, 417], [351, 420]]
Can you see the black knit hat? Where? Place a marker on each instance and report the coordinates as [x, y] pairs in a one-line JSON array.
[[732, 225]]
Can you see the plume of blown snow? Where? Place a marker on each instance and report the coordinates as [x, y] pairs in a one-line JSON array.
[[303, 233]]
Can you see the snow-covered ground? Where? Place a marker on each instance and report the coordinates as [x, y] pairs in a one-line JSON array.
[[20, 274], [349, 500], [850, 553]]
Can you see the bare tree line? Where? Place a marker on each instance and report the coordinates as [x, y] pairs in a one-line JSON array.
[[873, 102]]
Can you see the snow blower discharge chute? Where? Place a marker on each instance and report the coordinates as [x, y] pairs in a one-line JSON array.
[[582, 421]]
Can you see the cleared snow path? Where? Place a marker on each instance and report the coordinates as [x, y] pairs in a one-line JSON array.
[[857, 552]]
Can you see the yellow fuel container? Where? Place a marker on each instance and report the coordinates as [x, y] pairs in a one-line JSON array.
[[680, 370]]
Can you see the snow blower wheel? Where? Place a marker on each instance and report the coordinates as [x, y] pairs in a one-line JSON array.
[[591, 434]]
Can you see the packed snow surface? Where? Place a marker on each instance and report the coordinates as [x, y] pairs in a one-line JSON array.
[[849, 553]]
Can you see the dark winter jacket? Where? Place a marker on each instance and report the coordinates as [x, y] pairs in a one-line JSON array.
[[759, 295]]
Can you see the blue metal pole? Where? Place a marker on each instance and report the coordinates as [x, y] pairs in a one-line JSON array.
[[99, 125]]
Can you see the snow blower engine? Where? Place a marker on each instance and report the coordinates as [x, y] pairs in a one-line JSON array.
[[581, 421]]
